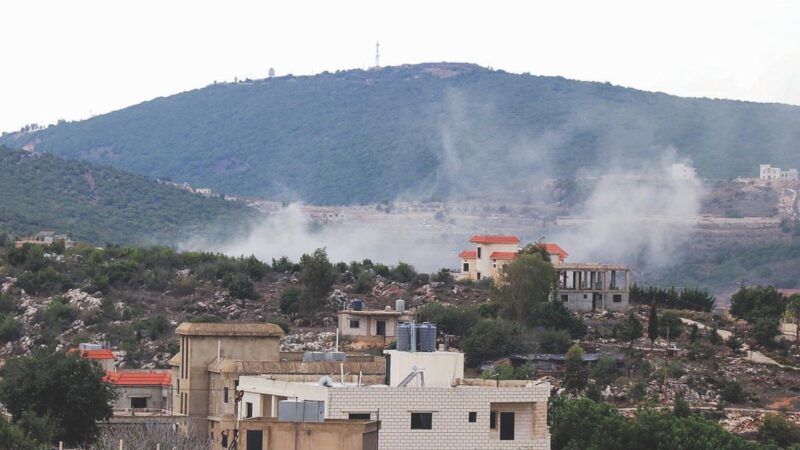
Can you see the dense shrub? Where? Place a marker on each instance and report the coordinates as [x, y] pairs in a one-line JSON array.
[[491, 338]]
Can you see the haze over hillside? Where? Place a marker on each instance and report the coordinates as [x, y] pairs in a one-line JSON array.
[[102, 204], [426, 131]]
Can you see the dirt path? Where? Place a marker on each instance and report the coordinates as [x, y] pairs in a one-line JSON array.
[[750, 355]]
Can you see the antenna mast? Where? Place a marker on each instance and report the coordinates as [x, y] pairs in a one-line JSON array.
[[377, 54]]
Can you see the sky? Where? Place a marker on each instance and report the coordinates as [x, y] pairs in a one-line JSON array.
[[74, 59]]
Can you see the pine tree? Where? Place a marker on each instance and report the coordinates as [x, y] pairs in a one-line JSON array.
[[652, 326]]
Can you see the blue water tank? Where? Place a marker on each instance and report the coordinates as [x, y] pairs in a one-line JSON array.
[[404, 337], [427, 337], [357, 305]]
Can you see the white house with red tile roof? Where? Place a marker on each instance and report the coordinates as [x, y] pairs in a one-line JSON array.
[[492, 252], [103, 356]]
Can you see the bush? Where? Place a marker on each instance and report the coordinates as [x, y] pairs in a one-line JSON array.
[[733, 392], [776, 429], [492, 338], [184, 285], [279, 322], [604, 371], [290, 300], [764, 331], [553, 341], [443, 276], [240, 286], [10, 328], [403, 272], [364, 282], [44, 282], [556, 316], [449, 319]]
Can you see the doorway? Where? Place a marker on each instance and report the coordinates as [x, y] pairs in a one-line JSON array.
[[255, 439], [506, 426]]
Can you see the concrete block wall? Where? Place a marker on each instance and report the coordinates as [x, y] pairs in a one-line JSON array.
[[450, 408]]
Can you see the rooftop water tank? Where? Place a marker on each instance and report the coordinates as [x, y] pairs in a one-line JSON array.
[[357, 305], [404, 337], [400, 305], [427, 337]]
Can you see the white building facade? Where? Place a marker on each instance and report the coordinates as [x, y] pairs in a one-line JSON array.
[[767, 172]]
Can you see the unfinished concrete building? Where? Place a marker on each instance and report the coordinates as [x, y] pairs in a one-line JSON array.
[[589, 287]]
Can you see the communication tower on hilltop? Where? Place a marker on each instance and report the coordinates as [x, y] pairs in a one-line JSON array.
[[377, 54]]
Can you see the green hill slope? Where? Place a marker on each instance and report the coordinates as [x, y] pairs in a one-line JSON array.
[[102, 204], [438, 129]]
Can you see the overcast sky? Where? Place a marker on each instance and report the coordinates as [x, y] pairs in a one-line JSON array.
[[71, 59]]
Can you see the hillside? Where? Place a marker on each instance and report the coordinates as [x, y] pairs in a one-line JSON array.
[[431, 130], [102, 204]]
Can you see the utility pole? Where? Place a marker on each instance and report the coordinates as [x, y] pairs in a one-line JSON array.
[[377, 54]]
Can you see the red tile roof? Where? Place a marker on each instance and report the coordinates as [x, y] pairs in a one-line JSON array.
[[503, 255], [139, 378], [555, 249], [489, 239], [468, 254], [94, 354]]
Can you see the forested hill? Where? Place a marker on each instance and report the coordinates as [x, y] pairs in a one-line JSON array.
[[105, 205], [439, 129]]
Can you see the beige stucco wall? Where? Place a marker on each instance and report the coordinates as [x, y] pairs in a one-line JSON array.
[[484, 263], [158, 397], [336, 435]]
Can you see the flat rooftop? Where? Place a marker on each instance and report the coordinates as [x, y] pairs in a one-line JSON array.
[[229, 329], [374, 312], [590, 266]]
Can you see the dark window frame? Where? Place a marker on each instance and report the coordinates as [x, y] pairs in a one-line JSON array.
[[421, 421], [617, 298], [473, 417], [137, 400], [357, 322], [225, 394], [493, 420]]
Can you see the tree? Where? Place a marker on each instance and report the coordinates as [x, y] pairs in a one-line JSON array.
[[670, 326], [694, 331], [752, 303], [524, 283], [491, 338], [13, 438], [734, 343], [733, 392], [680, 408], [793, 310], [652, 326], [630, 329], [449, 319], [240, 286], [604, 371], [556, 316], [66, 389], [317, 277], [290, 300], [776, 429], [576, 375], [764, 331]]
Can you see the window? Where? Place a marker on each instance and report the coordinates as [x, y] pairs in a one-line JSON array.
[[225, 394], [564, 298], [138, 402], [421, 421], [478, 276], [479, 253], [617, 298], [354, 323], [492, 420], [224, 439], [494, 265], [473, 417], [359, 416], [249, 410], [465, 267]]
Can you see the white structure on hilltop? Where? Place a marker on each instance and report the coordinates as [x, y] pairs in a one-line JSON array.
[[681, 171], [767, 172], [426, 404]]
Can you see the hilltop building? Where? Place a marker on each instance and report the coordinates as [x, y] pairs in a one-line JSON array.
[[492, 252], [141, 390], [767, 172], [45, 238], [581, 286], [213, 357], [371, 327], [440, 410]]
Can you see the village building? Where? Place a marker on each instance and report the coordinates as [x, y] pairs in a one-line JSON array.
[[492, 252], [426, 404], [581, 286], [590, 286], [141, 391], [45, 238], [371, 327], [265, 433], [213, 357], [95, 352], [767, 172]]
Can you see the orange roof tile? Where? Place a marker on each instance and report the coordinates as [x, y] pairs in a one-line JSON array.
[[139, 378], [94, 354], [490, 239], [468, 254], [555, 249], [503, 255]]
